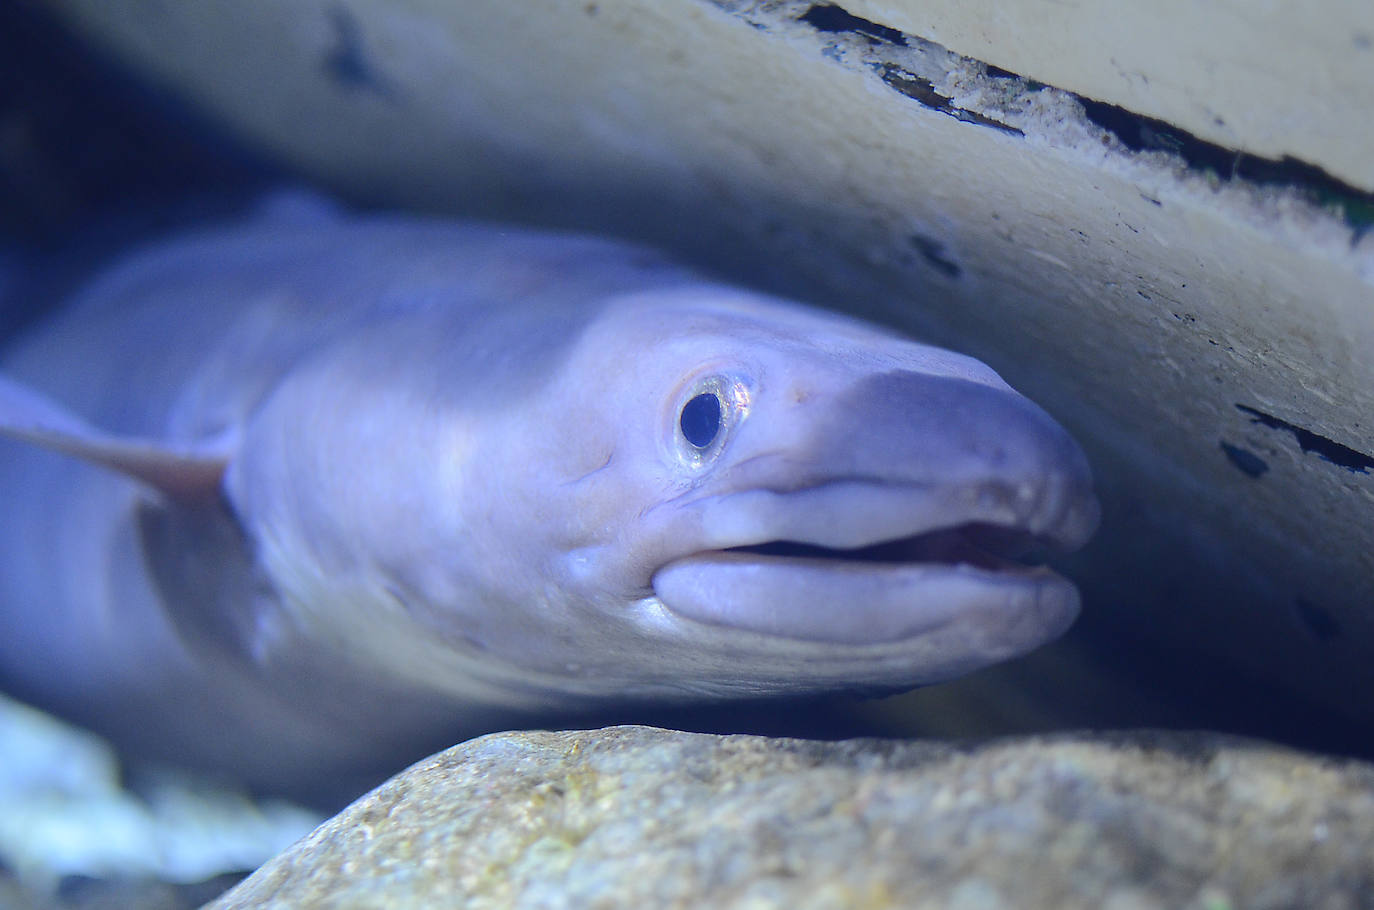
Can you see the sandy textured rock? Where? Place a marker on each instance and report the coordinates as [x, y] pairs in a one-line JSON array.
[[640, 817], [1203, 332]]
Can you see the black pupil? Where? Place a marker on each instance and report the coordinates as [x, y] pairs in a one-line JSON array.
[[700, 419]]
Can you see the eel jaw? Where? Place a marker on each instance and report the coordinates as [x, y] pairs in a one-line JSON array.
[[961, 571]]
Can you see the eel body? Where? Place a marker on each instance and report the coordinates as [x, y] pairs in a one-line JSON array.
[[303, 500]]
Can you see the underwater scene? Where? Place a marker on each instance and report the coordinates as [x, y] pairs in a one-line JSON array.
[[690, 454]]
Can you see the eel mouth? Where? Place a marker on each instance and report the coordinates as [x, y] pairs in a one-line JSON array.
[[976, 544], [979, 573]]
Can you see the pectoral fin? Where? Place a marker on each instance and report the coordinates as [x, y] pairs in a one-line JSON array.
[[185, 474]]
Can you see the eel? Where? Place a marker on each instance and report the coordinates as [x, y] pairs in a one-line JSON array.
[[301, 500]]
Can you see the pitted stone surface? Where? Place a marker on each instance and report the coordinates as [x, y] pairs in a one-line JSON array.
[[641, 817]]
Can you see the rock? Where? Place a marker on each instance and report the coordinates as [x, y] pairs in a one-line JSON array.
[[1184, 63], [641, 817]]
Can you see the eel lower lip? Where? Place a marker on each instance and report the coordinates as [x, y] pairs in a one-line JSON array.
[[884, 594]]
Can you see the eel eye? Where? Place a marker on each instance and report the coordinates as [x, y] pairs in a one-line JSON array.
[[711, 409], [700, 419]]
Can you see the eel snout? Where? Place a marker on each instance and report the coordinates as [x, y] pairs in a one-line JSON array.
[[918, 500]]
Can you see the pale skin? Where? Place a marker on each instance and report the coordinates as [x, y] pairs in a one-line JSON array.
[[327, 496]]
